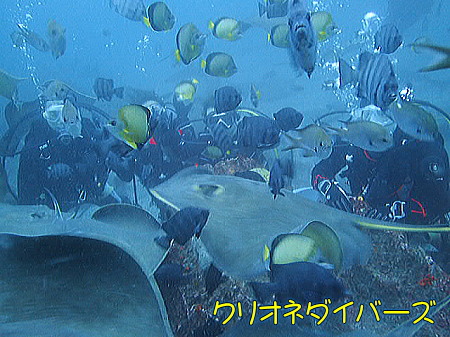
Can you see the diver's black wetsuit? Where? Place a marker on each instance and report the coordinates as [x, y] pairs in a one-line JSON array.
[[73, 170], [414, 172]]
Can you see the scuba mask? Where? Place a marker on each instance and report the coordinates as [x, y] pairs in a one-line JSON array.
[[63, 117]]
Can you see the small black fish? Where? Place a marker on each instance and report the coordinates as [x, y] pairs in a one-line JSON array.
[[387, 39], [288, 119], [258, 132], [226, 99], [184, 224], [302, 282], [104, 89], [377, 82], [276, 181], [213, 278]]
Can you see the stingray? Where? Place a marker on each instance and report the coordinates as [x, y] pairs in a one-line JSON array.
[[69, 293], [244, 218]]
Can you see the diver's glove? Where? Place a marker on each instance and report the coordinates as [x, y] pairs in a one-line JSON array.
[[335, 195], [59, 171]]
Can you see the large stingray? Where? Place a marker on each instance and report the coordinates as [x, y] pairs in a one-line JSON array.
[[66, 295], [244, 217]]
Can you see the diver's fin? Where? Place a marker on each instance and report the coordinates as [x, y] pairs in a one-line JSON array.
[[346, 74]]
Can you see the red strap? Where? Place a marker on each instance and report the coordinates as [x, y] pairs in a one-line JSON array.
[[422, 209], [368, 156], [316, 179]]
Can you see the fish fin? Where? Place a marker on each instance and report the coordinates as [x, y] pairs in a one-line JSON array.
[[195, 81], [177, 55], [203, 64], [266, 254], [119, 92], [146, 22], [346, 73], [211, 25], [261, 9], [269, 37]]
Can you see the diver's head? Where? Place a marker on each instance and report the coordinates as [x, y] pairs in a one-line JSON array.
[[434, 169], [63, 117]]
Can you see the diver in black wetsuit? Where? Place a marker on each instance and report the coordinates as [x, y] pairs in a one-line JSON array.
[[407, 183], [63, 159]]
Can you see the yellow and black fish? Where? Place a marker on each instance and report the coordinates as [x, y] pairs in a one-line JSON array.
[[134, 125], [279, 36], [190, 43], [219, 65], [228, 28], [160, 18]]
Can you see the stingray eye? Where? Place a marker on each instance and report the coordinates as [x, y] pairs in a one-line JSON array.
[[210, 190]]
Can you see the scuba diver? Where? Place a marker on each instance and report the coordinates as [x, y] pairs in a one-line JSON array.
[[63, 159], [406, 183]]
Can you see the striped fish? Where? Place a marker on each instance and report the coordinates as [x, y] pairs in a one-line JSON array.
[[377, 82], [223, 129], [131, 9], [387, 39]]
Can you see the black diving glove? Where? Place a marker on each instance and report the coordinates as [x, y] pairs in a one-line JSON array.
[[59, 171], [335, 195]]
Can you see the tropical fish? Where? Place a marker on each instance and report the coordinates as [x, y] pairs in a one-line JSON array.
[[323, 25], [279, 36], [227, 28], [226, 99], [288, 118], [302, 282], [133, 10], [31, 38], [134, 125], [104, 89], [387, 39], [276, 181], [313, 140], [219, 65], [160, 18], [190, 43], [367, 135], [184, 224], [255, 95], [257, 132], [8, 85], [56, 38], [377, 82], [223, 128], [443, 64], [185, 91], [302, 37], [414, 120]]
